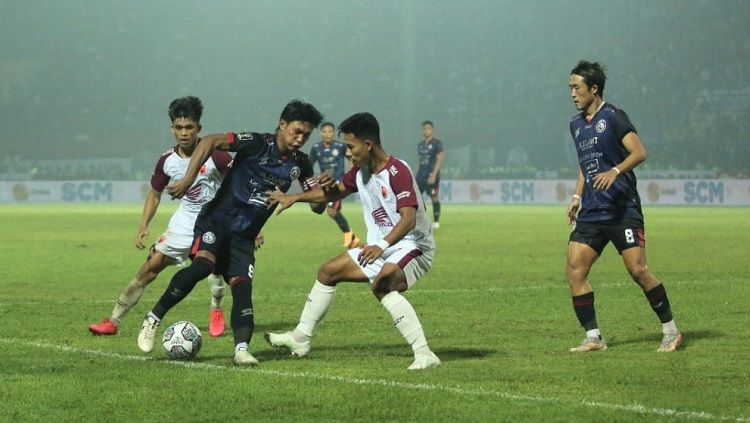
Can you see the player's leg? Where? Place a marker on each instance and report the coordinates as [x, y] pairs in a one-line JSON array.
[[434, 191], [240, 271], [216, 323], [339, 269], [632, 247], [129, 297], [400, 271], [585, 245]]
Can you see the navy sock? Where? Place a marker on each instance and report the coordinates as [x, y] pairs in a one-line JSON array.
[[341, 221], [181, 284], [243, 321], [659, 301], [584, 308], [436, 211]]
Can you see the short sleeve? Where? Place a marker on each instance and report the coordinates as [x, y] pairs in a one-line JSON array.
[[350, 179], [248, 143], [159, 180], [307, 175], [402, 184], [221, 160], [438, 146], [621, 124]]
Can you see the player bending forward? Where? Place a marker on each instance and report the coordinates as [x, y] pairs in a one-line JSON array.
[[173, 246], [399, 246]]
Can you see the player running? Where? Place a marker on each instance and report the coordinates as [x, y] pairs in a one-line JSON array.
[[173, 246], [226, 226], [399, 248], [431, 157], [606, 205], [330, 154]]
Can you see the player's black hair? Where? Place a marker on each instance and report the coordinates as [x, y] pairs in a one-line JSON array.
[[428, 122], [364, 126], [186, 107], [592, 74], [324, 124], [301, 111]]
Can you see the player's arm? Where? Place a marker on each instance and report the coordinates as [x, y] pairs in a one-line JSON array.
[[202, 152], [438, 163], [153, 199], [636, 155], [315, 195], [575, 201], [369, 253]]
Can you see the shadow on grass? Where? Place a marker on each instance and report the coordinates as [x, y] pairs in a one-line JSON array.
[[655, 338]]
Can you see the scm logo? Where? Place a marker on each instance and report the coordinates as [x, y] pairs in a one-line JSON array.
[[704, 192], [87, 191]]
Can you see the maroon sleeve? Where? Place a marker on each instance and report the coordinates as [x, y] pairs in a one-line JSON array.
[[402, 184], [350, 179], [159, 180], [221, 160]]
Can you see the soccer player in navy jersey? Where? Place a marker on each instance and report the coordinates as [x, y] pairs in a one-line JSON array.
[[431, 157], [227, 226], [606, 206], [399, 249], [330, 154]]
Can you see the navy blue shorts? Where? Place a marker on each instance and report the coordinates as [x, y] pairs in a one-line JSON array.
[[624, 234], [234, 252]]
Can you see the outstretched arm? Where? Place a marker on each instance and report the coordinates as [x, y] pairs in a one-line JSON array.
[[202, 152], [317, 195]]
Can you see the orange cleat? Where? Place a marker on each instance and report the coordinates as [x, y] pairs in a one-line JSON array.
[[216, 323], [104, 328]]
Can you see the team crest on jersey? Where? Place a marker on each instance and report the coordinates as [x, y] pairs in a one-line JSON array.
[[244, 136], [209, 238], [384, 192], [294, 174], [601, 126], [335, 153]]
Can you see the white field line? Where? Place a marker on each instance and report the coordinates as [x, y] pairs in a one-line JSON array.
[[562, 285], [457, 390]]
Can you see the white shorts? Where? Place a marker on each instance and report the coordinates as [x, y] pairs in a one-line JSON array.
[[175, 245], [414, 262]]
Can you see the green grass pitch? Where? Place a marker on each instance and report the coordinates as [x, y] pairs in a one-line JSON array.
[[495, 307]]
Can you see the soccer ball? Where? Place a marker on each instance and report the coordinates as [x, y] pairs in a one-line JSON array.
[[182, 340]]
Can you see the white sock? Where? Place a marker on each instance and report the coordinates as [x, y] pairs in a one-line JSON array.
[[153, 316], [669, 328], [128, 298], [593, 333], [317, 304], [217, 286], [240, 346], [406, 321]]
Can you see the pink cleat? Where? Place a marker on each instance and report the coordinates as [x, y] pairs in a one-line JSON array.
[[216, 323], [104, 328]]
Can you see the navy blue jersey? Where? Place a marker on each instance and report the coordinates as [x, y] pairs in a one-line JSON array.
[[428, 152], [257, 168], [598, 142], [331, 158]]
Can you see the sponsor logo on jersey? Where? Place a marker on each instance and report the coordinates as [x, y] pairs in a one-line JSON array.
[[601, 126], [381, 218], [393, 171], [209, 238], [402, 195], [244, 136], [295, 172]]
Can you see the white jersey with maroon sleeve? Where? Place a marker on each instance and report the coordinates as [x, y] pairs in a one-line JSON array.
[[172, 167], [382, 194]]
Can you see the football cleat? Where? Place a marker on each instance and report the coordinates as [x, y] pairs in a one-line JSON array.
[[670, 342], [425, 361], [242, 357], [106, 327], [216, 323], [287, 341], [435, 225], [590, 344], [147, 333], [350, 240]]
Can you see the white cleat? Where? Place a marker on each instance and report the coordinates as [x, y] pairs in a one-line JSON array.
[[147, 334], [435, 225], [425, 361], [286, 340], [242, 357]]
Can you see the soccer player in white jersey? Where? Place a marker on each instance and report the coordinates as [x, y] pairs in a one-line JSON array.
[[173, 246], [399, 248]]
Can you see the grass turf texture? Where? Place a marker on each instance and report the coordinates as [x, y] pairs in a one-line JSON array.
[[495, 308]]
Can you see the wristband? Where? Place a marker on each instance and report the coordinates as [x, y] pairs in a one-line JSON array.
[[616, 169], [576, 197], [383, 244]]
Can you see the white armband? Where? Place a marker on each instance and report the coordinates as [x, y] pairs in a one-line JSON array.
[[383, 244]]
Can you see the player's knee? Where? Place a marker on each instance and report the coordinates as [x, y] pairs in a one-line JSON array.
[[638, 271], [575, 272]]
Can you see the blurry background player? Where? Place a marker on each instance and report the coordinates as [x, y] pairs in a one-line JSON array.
[[173, 246], [431, 155], [399, 249], [330, 155], [606, 205], [227, 225]]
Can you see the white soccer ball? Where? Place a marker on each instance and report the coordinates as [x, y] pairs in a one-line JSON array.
[[182, 340]]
